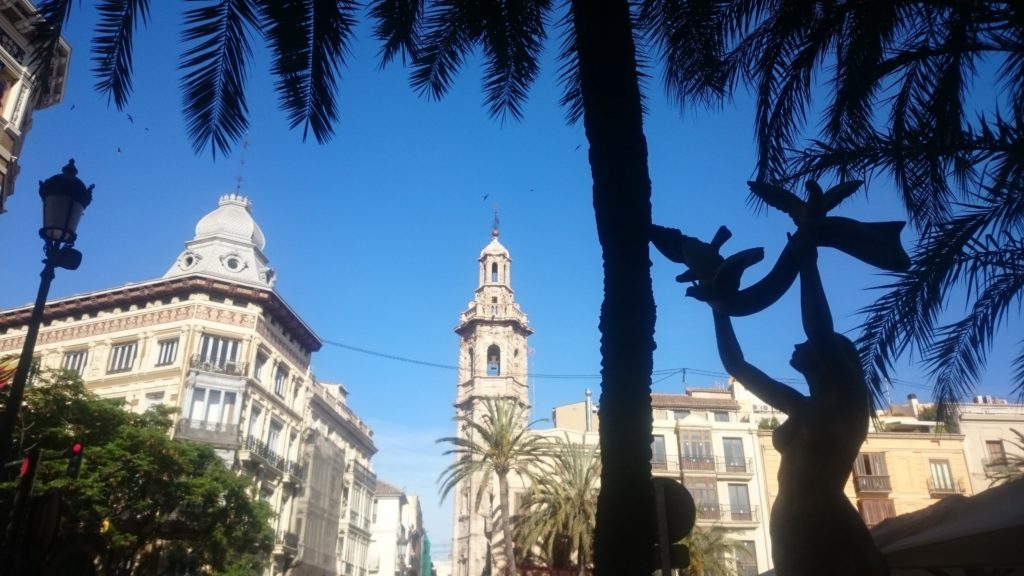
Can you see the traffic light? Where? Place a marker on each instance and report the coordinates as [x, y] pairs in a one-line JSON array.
[[75, 460]]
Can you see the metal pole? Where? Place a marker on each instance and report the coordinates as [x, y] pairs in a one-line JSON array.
[[10, 415]]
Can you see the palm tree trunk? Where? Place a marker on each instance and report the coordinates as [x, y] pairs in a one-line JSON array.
[[612, 117], [506, 526]]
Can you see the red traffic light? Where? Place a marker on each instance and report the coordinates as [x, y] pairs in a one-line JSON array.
[[26, 463], [76, 448]]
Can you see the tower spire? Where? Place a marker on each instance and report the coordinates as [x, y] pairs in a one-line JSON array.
[[241, 166], [497, 223]]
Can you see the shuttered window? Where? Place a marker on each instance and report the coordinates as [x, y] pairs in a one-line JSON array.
[[122, 357], [874, 510], [218, 350], [75, 361], [167, 351]]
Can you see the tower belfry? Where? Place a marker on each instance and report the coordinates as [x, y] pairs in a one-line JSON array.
[[492, 364]]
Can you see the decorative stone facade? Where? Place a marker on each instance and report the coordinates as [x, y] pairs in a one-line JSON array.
[[492, 364], [20, 92], [221, 346]]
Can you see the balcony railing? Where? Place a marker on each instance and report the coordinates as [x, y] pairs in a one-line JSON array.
[[944, 487], [260, 448], [733, 465], [698, 463], [208, 432], [997, 462], [719, 513], [217, 366], [286, 540], [874, 483]]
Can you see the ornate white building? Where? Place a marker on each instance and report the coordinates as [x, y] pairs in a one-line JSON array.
[[213, 339], [492, 364], [20, 89]]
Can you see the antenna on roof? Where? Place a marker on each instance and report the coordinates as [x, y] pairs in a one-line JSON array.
[[241, 165]]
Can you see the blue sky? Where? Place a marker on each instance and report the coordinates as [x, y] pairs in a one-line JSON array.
[[375, 236]]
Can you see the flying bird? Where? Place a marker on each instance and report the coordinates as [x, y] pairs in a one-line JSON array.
[[817, 205], [130, 119]]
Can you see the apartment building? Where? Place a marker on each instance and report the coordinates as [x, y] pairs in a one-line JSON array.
[[398, 535], [988, 426], [213, 339], [21, 92]]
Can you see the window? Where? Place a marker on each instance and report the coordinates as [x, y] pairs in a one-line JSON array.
[[254, 417], [870, 473], [697, 454], [274, 434], [735, 461], [494, 272], [721, 416], [874, 510], [152, 399], [167, 351], [746, 558], [658, 458], [75, 361], [705, 496], [122, 357], [996, 453], [493, 360], [280, 377], [213, 407], [261, 361], [680, 414], [218, 351], [494, 306], [739, 502], [942, 477]]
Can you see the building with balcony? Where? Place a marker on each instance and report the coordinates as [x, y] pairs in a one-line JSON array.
[[397, 546], [22, 91], [213, 339], [988, 426]]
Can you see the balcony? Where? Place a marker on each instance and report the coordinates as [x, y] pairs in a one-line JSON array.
[[944, 488], [697, 463], [728, 514], [286, 543], [874, 483], [217, 367], [258, 451], [733, 466], [995, 463], [215, 433]]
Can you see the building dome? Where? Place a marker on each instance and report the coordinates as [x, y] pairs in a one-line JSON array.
[[495, 248], [232, 219]]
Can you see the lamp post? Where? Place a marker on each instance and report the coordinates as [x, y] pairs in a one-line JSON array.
[[64, 199]]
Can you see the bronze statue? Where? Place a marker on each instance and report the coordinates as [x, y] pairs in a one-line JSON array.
[[814, 527]]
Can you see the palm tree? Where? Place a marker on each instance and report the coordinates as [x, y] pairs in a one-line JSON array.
[[711, 551], [899, 74], [601, 66], [560, 511], [497, 445]]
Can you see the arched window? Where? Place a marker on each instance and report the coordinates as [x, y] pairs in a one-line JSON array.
[[494, 271], [493, 360], [472, 364], [494, 305]]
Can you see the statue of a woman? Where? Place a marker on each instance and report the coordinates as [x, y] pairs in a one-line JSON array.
[[814, 527]]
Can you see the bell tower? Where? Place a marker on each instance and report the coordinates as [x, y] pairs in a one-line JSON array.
[[492, 364]]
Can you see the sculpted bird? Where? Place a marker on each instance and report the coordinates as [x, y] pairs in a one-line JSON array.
[[711, 273]]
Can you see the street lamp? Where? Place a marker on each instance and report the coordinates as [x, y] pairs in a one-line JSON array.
[[64, 198]]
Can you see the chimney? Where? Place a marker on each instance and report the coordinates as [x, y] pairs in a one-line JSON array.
[[914, 408], [590, 411]]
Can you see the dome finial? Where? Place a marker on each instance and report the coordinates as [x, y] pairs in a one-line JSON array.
[[494, 230]]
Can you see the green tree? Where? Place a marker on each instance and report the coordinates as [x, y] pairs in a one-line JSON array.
[[1013, 469], [154, 500], [906, 94], [560, 511], [601, 67], [497, 445]]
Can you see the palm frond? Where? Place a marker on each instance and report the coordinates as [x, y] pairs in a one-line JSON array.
[[214, 68], [451, 29], [309, 40], [112, 47], [399, 24], [512, 39], [46, 33], [569, 67]]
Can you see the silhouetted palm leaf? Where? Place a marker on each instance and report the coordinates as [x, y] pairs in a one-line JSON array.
[[214, 72], [46, 33], [398, 26], [112, 46], [309, 39]]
